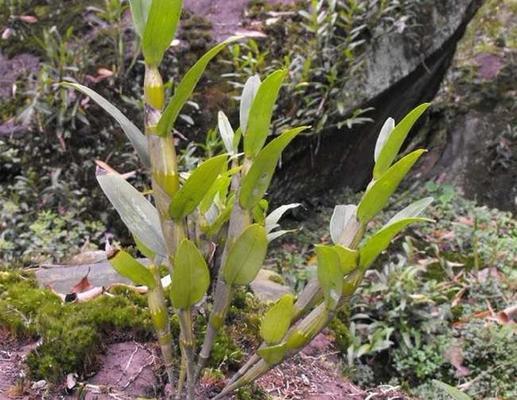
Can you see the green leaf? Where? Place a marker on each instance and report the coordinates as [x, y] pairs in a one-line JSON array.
[[248, 95], [186, 87], [273, 355], [348, 258], [135, 136], [219, 187], [456, 394], [413, 210], [196, 187], [277, 320], [130, 268], [386, 130], [344, 224], [379, 193], [226, 132], [258, 178], [330, 275], [139, 12], [392, 144], [380, 241], [260, 113], [191, 278], [138, 214], [246, 256], [160, 28], [146, 251]]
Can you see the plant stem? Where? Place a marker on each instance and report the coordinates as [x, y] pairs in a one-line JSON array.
[[159, 316], [187, 346]]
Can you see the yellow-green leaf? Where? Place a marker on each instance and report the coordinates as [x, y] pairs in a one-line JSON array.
[[246, 256], [277, 320], [186, 87], [455, 394], [390, 146], [191, 278], [130, 268], [330, 274], [257, 180], [139, 12], [196, 187], [260, 113], [160, 28], [348, 258], [273, 355], [379, 193]]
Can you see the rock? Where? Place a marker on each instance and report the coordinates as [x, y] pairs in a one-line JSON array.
[[63, 277], [267, 286]]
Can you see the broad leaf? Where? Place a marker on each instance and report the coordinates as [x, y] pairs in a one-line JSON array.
[[257, 180], [246, 256], [277, 320], [191, 277], [392, 144], [273, 355], [276, 234], [129, 267], [160, 28], [248, 95], [226, 132], [455, 394], [260, 113], [186, 87], [413, 210], [142, 248], [379, 193], [139, 12], [196, 187], [275, 215], [348, 258], [386, 129], [344, 224], [138, 214], [135, 136], [380, 241], [219, 188], [330, 275]]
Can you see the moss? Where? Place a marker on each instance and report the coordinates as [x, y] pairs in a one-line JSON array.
[[251, 392], [339, 327], [72, 334]]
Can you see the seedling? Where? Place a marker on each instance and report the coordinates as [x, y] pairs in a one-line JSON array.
[[215, 219]]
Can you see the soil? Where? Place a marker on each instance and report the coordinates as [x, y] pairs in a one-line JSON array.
[[129, 370], [225, 16]]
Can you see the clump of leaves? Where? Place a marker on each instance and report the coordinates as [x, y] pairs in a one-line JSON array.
[[211, 227]]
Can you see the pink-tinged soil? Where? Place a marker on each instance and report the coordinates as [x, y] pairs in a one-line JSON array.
[[489, 65], [225, 16]]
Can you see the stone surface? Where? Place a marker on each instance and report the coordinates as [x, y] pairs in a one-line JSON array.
[[63, 277], [266, 286]]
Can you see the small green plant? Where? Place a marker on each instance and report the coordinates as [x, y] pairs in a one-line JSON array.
[[212, 225]]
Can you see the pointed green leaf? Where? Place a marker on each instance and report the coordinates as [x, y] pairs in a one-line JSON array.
[[246, 256], [392, 144], [248, 95], [330, 275], [196, 187], [273, 355], [186, 87], [191, 277], [380, 241], [277, 320], [258, 178], [160, 28], [260, 113], [456, 394], [219, 187], [413, 210], [379, 193], [344, 224], [146, 251], [135, 136], [130, 268], [276, 234], [348, 258], [139, 12], [138, 214], [226, 132], [386, 130]]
